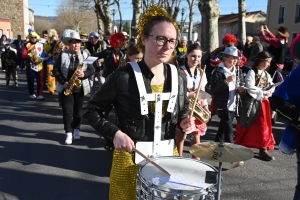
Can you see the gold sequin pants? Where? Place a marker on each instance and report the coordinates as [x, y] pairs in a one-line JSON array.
[[123, 176]]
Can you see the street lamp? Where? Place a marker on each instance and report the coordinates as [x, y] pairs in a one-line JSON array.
[[182, 22], [113, 12]]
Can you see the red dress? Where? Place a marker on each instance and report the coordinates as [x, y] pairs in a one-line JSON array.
[[259, 135]]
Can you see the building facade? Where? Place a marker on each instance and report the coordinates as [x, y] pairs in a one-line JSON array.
[[20, 15], [284, 13], [5, 26], [228, 24]]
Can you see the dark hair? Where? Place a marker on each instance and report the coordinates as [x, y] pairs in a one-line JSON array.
[[132, 50], [260, 57], [45, 32], [155, 20], [3, 37], [192, 47]]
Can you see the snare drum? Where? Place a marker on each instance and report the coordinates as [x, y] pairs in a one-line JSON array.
[[190, 180]]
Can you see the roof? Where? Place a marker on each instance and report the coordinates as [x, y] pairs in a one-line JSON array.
[[4, 17], [234, 17]]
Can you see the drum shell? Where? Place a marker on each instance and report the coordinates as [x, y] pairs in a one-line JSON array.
[[148, 190]]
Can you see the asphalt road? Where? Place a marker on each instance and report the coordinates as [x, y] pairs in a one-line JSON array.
[[35, 164]]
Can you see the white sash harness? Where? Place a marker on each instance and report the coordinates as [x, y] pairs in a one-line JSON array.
[[157, 147]]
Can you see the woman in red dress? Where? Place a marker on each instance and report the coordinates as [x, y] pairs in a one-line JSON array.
[[259, 135]]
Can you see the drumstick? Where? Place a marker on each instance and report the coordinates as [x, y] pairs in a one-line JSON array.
[[153, 163], [196, 98]]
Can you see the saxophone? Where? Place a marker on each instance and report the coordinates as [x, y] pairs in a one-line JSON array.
[[74, 81]]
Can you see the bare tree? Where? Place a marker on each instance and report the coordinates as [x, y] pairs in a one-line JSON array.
[[41, 24], [191, 4], [70, 14], [210, 12], [242, 22]]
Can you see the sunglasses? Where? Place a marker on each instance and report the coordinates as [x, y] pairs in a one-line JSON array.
[[33, 37]]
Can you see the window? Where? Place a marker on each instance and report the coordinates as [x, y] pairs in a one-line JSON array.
[[281, 15], [297, 14], [7, 33], [1, 32], [224, 28]]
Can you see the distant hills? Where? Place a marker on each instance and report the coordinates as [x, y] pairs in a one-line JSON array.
[[50, 18]]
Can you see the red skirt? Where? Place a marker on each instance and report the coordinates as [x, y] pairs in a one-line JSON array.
[[259, 135]]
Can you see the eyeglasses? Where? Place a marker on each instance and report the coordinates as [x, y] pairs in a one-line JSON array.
[[162, 41]]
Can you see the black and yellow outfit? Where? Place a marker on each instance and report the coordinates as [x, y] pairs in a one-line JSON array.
[[121, 90]]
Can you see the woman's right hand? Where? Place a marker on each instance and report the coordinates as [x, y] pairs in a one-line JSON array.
[[123, 142]]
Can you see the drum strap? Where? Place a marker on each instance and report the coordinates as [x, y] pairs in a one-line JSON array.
[[158, 98]]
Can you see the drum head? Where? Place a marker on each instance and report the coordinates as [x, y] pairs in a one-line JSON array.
[[186, 174]]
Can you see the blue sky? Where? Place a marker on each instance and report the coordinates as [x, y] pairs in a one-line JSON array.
[[48, 8]]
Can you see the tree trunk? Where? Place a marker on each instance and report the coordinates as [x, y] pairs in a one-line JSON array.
[[103, 14], [120, 14], [242, 22], [191, 23], [210, 12], [137, 11]]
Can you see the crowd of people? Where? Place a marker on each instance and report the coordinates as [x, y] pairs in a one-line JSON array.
[[150, 80]]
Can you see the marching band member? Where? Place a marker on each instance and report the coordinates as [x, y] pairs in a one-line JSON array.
[[83, 37], [65, 69], [95, 45], [141, 120], [48, 48], [224, 82], [193, 74], [33, 53], [113, 57], [259, 134]]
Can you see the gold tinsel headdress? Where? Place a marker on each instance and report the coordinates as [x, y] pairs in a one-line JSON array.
[[153, 11]]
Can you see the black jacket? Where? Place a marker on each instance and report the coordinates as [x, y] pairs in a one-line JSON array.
[[9, 60], [109, 65], [220, 89], [120, 89]]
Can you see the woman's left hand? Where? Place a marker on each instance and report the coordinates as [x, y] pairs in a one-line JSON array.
[[188, 125]]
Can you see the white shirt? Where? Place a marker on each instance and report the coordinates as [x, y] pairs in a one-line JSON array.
[[256, 92], [231, 105], [193, 82]]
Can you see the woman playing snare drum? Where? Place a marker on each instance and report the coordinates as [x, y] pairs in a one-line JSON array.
[[157, 34]]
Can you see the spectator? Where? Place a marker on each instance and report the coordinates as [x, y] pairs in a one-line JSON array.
[[19, 43], [278, 44], [248, 46], [9, 63], [256, 48], [181, 50]]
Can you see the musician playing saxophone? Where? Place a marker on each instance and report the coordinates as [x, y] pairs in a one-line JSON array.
[[68, 67], [193, 75]]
